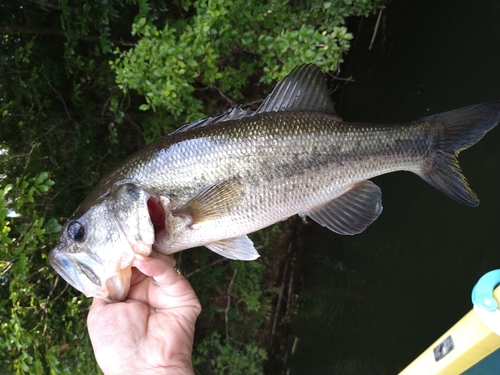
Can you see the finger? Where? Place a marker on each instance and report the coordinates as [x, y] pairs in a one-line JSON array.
[[162, 272], [162, 278], [169, 258], [165, 288], [148, 266], [137, 276], [155, 264]]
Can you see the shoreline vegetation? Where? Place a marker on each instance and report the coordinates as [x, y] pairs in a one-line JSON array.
[[83, 86]]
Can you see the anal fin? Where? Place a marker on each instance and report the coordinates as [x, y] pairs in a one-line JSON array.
[[352, 212], [239, 248]]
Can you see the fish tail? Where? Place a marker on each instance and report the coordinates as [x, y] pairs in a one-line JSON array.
[[456, 131]]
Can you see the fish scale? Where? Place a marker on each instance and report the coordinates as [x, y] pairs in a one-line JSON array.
[[214, 181]]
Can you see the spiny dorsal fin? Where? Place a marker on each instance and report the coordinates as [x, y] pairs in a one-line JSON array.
[[234, 113], [304, 89]]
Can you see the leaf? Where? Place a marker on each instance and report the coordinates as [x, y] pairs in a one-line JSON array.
[[52, 226], [41, 178]]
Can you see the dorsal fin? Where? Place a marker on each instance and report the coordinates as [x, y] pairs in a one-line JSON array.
[[234, 113], [304, 89]]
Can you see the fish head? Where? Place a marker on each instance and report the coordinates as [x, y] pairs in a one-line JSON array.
[[94, 254]]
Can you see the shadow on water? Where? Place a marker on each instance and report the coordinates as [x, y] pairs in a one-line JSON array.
[[372, 303]]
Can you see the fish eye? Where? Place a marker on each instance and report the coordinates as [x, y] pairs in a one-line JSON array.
[[76, 231]]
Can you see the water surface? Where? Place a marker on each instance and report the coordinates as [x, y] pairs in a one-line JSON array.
[[372, 303]]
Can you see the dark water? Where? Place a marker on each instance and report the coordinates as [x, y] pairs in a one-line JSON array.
[[373, 302]]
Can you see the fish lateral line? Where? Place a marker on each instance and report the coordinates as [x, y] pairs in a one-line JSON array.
[[213, 181]]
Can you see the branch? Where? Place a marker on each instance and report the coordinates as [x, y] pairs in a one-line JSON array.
[[7, 266], [375, 30], [229, 101], [207, 266], [280, 297], [229, 302], [59, 32]]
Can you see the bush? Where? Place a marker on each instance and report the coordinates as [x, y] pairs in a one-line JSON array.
[[67, 101], [222, 43]]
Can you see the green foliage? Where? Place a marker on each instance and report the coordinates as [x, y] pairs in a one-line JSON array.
[[221, 44], [240, 351], [38, 333], [240, 305], [49, 85], [229, 358], [55, 94], [158, 124], [74, 84]]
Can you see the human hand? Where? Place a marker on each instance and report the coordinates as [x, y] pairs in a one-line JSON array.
[[152, 331]]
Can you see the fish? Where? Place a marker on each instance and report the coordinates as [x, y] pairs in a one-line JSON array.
[[212, 182]]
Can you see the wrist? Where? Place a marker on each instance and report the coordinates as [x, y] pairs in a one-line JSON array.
[[157, 371]]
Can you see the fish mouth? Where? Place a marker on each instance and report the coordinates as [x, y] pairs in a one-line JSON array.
[[82, 271], [67, 268]]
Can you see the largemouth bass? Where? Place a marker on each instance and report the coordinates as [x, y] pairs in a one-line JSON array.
[[214, 181]]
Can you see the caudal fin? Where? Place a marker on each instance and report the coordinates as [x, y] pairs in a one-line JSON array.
[[455, 131]]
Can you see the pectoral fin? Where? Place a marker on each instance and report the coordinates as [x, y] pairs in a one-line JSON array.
[[352, 212], [215, 201], [239, 248]]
